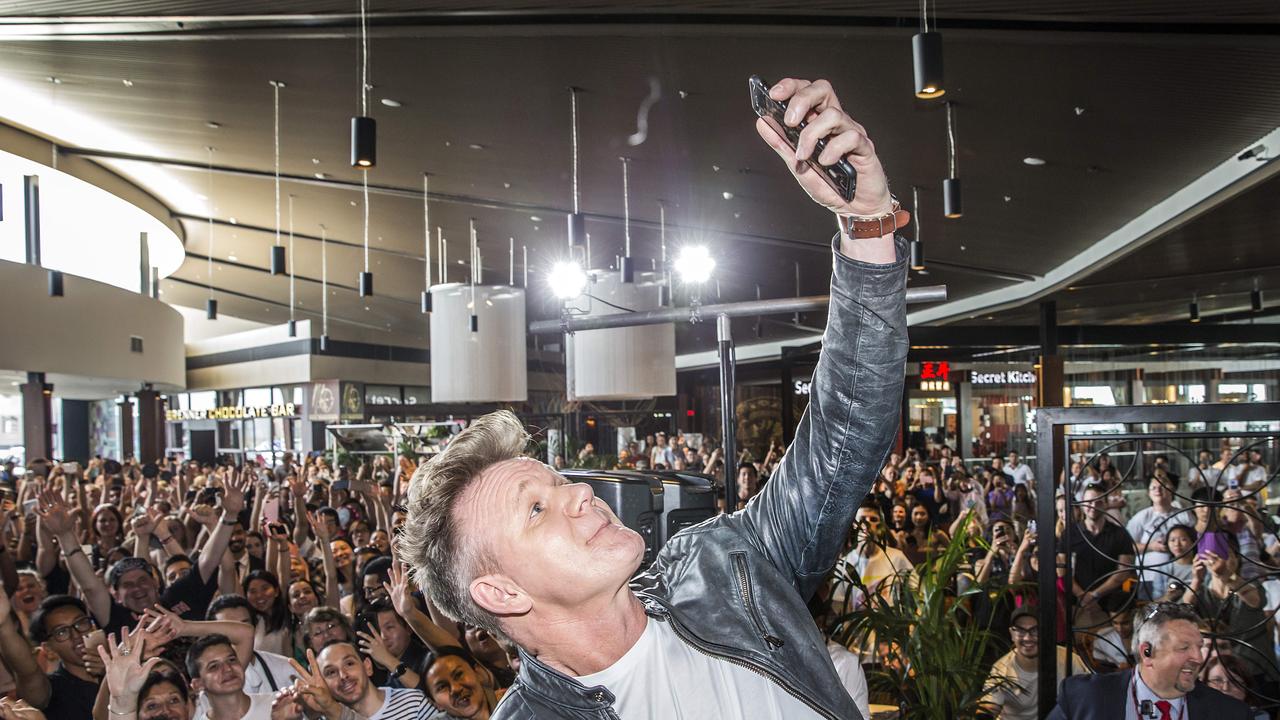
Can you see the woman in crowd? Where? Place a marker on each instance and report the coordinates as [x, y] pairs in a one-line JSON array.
[[1229, 675], [273, 630], [1181, 540], [921, 539], [106, 533], [455, 686]]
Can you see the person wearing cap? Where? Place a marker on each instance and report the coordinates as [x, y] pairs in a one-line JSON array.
[[1012, 691], [132, 585]]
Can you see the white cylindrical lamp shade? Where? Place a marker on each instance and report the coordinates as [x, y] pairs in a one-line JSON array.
[[632, 363], [488, 365]]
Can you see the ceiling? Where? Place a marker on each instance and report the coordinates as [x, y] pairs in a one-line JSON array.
[[1125, 113]]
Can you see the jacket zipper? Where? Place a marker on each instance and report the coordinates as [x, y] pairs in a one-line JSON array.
[[697, 645], [744, 586]]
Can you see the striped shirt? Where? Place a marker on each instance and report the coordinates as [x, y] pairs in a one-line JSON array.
[[406, 704]]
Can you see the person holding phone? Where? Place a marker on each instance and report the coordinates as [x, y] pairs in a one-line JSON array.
[[1220, 591], [718, 625]]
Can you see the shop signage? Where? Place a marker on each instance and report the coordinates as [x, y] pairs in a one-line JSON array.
[[1005, 377], [802, 387], [234, 412], [935, 370]]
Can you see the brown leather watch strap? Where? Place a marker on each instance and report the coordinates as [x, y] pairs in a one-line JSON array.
[[879, 227]]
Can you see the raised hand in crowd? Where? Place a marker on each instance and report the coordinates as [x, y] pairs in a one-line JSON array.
[[126, 672]]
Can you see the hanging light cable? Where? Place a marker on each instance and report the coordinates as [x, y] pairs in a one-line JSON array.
[[625, 265], [577, 223], [324, 288], [277, 250], [664, 285], [426, 245], [926, 57], [364, 130], [952, 206], [366, 277], [293, 322], [917, 246], [210, 305]]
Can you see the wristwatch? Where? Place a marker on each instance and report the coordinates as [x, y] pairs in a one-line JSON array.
[[863, 227], [400, 670]]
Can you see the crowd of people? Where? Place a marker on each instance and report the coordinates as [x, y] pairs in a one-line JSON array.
[[181, 590]]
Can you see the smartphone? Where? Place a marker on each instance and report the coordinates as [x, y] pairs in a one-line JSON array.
[[278, 528], [94, 640], [841, 176], [29, 507], [1031, 526], [271, 509], [71, 468], [1214, 542]]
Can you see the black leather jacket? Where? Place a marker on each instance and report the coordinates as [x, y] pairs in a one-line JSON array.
[[736, 586]]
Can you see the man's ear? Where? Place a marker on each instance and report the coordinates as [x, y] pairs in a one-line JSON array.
[[368, 667], [500, 595]]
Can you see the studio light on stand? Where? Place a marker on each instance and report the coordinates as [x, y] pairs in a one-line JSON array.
[[926, 58], [952, 206]]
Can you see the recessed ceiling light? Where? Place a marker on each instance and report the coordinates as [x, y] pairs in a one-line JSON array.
[[232, 258], [213, 124], [315, 161], [321, 176], [1033, 161], [127, 82], [353, 203], [506, 185], [55, 80], [535, 218], [390, 103], [727, 195], [476, 146], [233, 221]]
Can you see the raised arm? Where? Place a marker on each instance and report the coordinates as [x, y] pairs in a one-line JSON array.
[[332, 590], [20, 658], [804, 512], [55, 515], [216, 547]]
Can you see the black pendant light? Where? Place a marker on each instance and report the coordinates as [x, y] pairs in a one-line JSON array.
[[1194, 310], [55, 283], [577, 222], [210, 305], [364, 130], [952, 206], [324, 288], [366, 277], [917, 245], [626, 267], [926, 58], [1255, 297], [277, 250], [426, 246]]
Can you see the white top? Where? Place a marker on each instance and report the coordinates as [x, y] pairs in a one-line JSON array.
[[885, 565], [664, 678], [1022, 474], [851, 675], [1020, 702], [1148, 525], [259, 707]]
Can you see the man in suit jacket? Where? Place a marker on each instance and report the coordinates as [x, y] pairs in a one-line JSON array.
[[1162, 686]]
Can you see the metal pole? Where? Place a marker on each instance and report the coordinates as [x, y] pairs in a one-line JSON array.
[[775, 306], [728, 420]]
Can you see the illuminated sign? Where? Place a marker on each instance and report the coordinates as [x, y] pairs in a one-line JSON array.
[[234, 412], [1007, 377], [935, 370], [802, 387]]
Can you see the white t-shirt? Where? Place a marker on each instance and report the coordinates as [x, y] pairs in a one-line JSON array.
[[1021, 474], [259, 707], [664, 678], [1020, 701], [851, 675]]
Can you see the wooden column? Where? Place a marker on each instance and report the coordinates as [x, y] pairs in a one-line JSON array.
[[37, 417]]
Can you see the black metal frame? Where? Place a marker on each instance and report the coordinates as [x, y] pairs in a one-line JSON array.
[[1050, 421]]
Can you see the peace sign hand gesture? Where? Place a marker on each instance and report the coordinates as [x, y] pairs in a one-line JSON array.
[[311, 691]]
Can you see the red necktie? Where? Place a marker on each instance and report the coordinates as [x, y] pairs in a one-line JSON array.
[[1164, 707]]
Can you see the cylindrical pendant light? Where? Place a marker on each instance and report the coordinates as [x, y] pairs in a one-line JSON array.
[[626, 267], [210, 305], [277, 250], [55, 283], [917, 245], [426, 246], [364, 130], [926, 58], [324, 288], [366, 277], [952, 206], [577, 223], [1194, 310], [1255, 297]]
